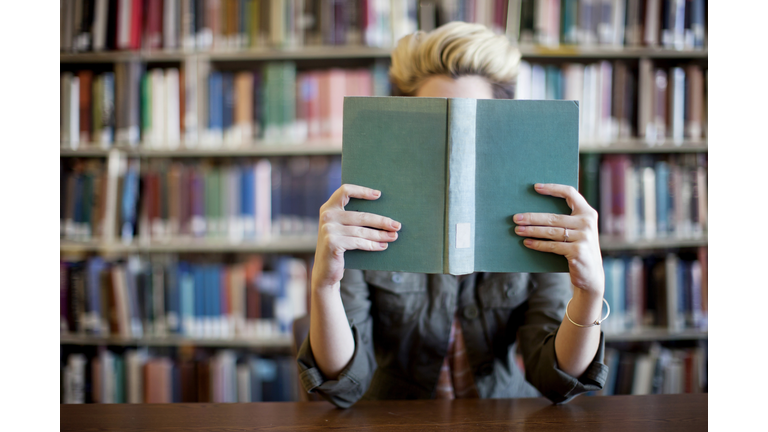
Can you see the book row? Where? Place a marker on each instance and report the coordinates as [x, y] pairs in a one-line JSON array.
[[195, 106], [222, 200], [615, 102], [672, 24], [668, 292], [165, 295], [136, 376], [660, 370], [648, 197], [222, 25]]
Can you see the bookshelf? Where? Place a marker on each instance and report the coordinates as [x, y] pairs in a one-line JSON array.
[[364, 54]]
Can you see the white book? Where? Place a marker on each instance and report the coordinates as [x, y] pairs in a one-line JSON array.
[[659, 131], [538, 82], [643, 377], [191, 133], [170, 32], [297, 288], [573, 74], [649, 202], [74, 113], [678, 23], [652, 13], [187, 24], [158, 110], [243, 383], [173, 123], [674, 322], [618, 23], [124, 24], [607, 130], [523, 83], [134, 376], [263, 199], [701, 181], [99, 29], [678, 104], [74, 390], [107, 376]]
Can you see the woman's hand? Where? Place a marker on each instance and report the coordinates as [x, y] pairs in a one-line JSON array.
[[580, 246], [341, 230]]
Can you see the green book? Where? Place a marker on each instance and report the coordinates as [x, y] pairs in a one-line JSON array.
[[454, 172]]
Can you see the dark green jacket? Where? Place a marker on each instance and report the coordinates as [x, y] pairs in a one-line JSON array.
[[401, 323]]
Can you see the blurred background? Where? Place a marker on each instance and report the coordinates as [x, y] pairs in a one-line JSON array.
[[200, 137]]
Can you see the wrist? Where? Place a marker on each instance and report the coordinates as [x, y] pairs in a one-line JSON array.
[[586, 306]]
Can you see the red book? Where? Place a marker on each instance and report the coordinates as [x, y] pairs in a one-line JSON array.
[[154, 24], [86, 78], [136, 16]]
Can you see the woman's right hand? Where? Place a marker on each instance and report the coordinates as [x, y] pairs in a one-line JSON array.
[[341, 230]]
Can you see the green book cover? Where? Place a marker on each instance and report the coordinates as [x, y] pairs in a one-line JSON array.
[[454, 172]]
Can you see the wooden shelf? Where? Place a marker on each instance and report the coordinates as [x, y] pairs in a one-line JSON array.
[[612, 243], [648, 335], [334, 148], [280, 343], [362, 52], [284, 244]]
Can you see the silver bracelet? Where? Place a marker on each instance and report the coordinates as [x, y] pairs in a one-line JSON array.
[[597, 321]]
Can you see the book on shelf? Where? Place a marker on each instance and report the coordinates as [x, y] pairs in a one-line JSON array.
[[654, 292], [194, 106], [659, 370], [226, 25], [649, 197], [138, 376], [438, 159], [166, 296]]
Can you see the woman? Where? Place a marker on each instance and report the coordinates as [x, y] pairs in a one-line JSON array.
[[384, 335]]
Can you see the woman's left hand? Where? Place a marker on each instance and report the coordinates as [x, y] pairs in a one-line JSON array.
[[574, 236]]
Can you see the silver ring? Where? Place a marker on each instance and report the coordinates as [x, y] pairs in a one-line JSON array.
[[565, 235]]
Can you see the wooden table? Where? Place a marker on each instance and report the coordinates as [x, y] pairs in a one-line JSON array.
[[679, 413]]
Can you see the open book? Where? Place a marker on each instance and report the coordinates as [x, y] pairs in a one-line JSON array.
[[454, 172]]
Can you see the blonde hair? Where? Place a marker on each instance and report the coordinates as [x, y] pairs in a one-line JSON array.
[[455, 49]]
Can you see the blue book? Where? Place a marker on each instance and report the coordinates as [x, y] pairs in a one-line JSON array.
[[454, 172], [215, 298], [228, 101], [662, 197], [248, 200], [186, 299], [215, 104], [199, 298], [277, 192], [93, 318]]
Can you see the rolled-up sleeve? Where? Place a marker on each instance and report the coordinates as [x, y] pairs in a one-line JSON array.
[[547, 301], [355, 379]]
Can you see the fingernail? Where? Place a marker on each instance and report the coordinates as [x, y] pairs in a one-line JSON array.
[[528, 242], [396, 225], [376, 193], [538, 186], [383, 245], [393, 235], [520, 229], [518, 218]]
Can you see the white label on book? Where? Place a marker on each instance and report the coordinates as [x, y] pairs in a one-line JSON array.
[[463, 236]]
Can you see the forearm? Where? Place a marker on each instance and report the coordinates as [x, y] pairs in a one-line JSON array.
[[575, 347], [329, 333]]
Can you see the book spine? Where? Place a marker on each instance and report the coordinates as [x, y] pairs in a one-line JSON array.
[[459, 247]]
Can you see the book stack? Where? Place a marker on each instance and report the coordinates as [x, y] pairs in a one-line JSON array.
[[136, 376], [166, 296], [611, 98], [648, 197], [653, 292], [234, 202], [196, 107], [672, 24], [672, 103], [221, 25], [660, 370]]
